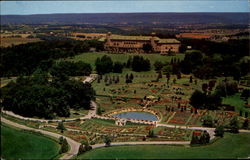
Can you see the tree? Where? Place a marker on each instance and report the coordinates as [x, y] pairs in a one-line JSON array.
[[195, 139], [117, 67], [167, 69], [213, 101], [191, 79], [211, 85], [61, 127], [64, 146], [104, 64], [61, 140], [208, 121], [147, 48], [204, 87], [107, 141], [99, 110], [140, 64], [106, 79], [179, 75], [245, 94], [81, 149], [159, 75], [158, 65], [245, 124], [234, 125], [197, 99], [151, 133], [219, 131], [128, 64], [174, 80], [206, 136], [131, 77]]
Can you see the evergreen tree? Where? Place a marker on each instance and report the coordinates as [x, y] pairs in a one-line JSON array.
[[151, 133], [234, 125], [60, 127], [107, 141], [245, 124], [191, 79], [195, 139], [131, 77], [64, 146], [219, 131], [81, 149], [208, 121]]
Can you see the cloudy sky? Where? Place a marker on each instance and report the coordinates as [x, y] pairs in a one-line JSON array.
[[115, 6]]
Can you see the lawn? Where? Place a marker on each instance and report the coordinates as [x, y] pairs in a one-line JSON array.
[[91, 57], [17, 144], [231, 146], [236, 101]]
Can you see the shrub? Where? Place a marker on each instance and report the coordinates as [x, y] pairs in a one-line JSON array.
[[219, 131]]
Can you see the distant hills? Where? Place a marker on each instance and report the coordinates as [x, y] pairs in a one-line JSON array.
[[129, 18]]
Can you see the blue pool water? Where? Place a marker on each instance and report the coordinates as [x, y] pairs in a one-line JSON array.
[[137, 115]]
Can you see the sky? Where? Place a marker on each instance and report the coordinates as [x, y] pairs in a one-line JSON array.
[[118, 6]]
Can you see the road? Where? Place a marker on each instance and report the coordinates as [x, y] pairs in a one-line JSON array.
[[74, 146]]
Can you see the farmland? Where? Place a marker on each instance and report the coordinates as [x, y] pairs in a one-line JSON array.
[[6, 42]]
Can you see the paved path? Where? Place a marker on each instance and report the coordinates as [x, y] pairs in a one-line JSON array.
[[91, 113], [141, 143], [74, 146]]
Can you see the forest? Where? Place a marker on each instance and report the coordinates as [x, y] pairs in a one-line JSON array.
[[37, 96], [24, 59]]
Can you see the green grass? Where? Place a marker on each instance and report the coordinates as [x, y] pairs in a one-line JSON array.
[[236, 101], [17, 144], [91, 57], [231, 146]]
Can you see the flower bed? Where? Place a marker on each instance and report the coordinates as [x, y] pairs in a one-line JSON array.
[[180, 118]]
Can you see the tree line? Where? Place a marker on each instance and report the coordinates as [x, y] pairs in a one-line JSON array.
[[24, 59], [136, 63], [210, 59]]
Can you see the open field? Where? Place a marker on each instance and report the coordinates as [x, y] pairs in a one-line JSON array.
[[91, 57], [231, 146], [16, 144], [6, 42]]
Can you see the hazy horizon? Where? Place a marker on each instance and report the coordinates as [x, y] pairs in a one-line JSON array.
[[121, 6], [113, 13]]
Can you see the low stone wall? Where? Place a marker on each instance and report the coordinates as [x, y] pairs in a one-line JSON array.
[[110, 114]]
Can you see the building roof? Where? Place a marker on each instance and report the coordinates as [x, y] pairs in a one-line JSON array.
[[142, 38], [168, 41], [139, 38], [102, 39]]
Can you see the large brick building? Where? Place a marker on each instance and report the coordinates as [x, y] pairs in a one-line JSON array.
[[134, 44]]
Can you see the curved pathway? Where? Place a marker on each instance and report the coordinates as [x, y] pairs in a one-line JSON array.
[[74, 146], [141, 143]]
